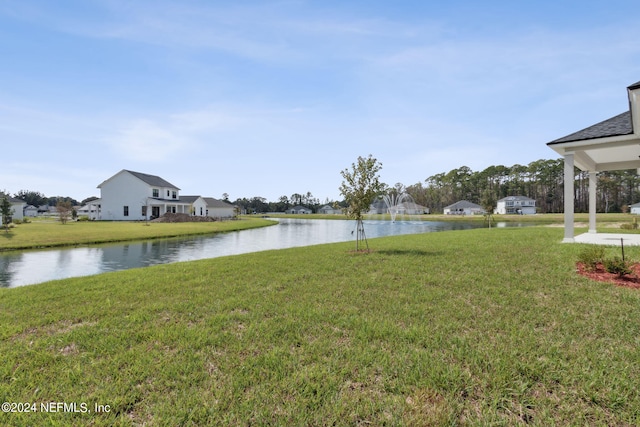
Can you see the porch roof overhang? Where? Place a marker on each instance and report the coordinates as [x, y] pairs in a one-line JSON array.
[[612, 144], [603, 154]]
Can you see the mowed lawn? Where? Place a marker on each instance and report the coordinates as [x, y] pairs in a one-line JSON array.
[[480, 327], [39, 234]]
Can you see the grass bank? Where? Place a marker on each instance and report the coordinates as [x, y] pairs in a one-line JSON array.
[[478, 327], [39, 234]]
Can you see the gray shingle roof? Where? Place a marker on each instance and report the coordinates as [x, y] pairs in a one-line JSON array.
[[519, 198], [152, 180], [615, 126], [463, 204], [215, 203], [188, 199]]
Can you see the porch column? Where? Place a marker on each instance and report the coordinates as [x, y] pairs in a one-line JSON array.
[[593, 184], [569, 177]]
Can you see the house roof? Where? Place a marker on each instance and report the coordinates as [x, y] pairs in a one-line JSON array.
[[608, 145], [152, 180], [515, 198], [463, 204], [12, 200], [189, 199], [215, 203], [615, 126]]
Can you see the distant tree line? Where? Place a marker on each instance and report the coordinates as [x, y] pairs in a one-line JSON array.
[[36, 198], [261, 205], [541, 180]]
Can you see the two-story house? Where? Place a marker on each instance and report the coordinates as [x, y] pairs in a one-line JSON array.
[[519, 205], [133, 196]]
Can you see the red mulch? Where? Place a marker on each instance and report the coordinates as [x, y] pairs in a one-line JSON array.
[[600, 274]]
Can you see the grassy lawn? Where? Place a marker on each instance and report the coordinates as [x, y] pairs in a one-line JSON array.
[[479, 327], [40, 234]]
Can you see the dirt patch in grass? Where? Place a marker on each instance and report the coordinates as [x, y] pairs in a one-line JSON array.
[[179, 217], [601, 275]]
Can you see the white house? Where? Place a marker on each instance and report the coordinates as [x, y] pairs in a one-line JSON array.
[[635, 209], [17, 207], [329, 210], [299, 210], [464, 207], [219, 208], [520, 205], [30, 211], [91, 210], [134, 196]]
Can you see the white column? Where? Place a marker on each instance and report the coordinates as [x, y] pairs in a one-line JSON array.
[[593, 184], [569, 177]]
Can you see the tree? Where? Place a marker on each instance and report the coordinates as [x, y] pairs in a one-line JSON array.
[[361, 186], [5, 210], [33, 198], [64, 211]]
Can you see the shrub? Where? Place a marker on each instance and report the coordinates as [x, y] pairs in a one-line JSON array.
[[630, 226], [617, 265], [591, 256]]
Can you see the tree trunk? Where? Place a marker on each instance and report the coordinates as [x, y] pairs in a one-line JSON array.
[[360, 236]]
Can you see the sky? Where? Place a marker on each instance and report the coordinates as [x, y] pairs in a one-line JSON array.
[[271, 98]]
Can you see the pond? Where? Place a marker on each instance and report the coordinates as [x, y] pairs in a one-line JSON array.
[[21, 268]]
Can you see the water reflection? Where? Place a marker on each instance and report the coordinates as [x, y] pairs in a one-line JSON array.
[[30, 267]]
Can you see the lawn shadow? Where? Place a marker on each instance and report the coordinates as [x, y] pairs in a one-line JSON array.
[[6, 235], [418, 252]]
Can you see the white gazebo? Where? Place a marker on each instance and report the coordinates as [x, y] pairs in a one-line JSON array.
[[613, 144]]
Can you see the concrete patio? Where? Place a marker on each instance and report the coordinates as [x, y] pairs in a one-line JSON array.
[[612, 239]]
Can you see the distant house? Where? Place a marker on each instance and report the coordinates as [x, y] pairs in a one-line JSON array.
[[464, 207], [299, 210], [635, 209], [197, 205], [219, 208], [17, 207], [519, 205], [411, 208], [135, 196], [30, 211], [329, 210]]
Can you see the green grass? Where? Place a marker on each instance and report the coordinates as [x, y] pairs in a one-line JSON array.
[[39, 234], [479, 327]]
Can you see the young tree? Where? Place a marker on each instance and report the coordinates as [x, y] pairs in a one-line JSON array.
[[360, 188], [64, 211], [5, 210]]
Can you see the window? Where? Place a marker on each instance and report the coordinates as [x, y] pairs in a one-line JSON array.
[[144, 211], [167, 193], [126, 211], [174, 195], [156, 192]]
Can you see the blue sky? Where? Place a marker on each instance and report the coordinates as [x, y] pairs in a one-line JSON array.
[[271, 98]]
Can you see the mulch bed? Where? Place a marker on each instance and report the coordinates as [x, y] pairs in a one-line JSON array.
[[178, 217], [601, 275]]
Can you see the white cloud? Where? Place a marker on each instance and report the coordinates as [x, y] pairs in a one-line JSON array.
[[148, 141]]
